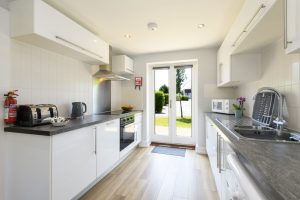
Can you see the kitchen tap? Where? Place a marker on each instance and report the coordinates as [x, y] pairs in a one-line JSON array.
[[279, 121]]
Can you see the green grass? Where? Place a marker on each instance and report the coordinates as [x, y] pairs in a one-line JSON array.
[[185, 122]]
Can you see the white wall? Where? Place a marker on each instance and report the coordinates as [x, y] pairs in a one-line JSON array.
[[4, 86], [281, 72], [42, 76], [207, 62]]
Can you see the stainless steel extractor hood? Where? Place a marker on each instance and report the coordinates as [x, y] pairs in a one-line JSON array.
[[105, 71]]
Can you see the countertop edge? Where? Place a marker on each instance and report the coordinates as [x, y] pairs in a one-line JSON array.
[[37, 130]]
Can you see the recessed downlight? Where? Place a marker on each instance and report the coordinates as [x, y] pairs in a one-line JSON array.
[[128, 36], [95, 40], [201, 25]]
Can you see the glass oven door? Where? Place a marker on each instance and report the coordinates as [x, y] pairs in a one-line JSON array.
[[127, 135]]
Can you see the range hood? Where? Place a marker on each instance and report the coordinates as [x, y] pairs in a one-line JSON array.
[[105, 71]]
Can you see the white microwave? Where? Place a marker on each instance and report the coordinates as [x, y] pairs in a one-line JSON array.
[[222, 105]]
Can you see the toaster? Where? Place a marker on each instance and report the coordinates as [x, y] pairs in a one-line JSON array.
[[34, 115]]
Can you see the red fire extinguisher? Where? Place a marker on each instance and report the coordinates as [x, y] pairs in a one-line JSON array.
[[10, 107]]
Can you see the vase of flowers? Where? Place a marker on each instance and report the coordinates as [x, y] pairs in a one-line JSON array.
[[239, 108]]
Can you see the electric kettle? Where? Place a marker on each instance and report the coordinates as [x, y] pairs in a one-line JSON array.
[[78, 109]]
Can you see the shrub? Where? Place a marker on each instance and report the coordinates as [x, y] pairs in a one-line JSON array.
[[159, 101], [166, 99], [164, 89], [184, 98]]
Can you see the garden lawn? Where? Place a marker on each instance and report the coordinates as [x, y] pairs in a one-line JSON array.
[[185, 122]]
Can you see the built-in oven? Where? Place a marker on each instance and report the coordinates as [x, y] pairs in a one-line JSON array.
[[127, 131]]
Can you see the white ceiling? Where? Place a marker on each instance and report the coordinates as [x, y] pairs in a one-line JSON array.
[[177, 22]]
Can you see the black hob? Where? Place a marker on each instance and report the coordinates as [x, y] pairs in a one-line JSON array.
[[116, 112]]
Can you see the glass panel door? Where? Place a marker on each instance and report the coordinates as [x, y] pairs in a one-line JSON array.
[[172, 104], [161, 101], [183, 101]]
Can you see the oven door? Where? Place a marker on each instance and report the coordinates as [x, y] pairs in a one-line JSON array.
[[127, 135]]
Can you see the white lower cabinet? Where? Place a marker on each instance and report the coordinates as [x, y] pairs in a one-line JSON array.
[[217, 149], [138, 126], [61, 166], [212, 148], [108, 145], [73, 162]]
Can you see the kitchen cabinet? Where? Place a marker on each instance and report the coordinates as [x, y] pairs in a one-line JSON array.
[[235, 69], [238, 60], [138, 127], [63, 165], [108, 145], [50, 167], [292, 26], [213, 151], [37, 23], [73, 162], [217, 149], [122, 64]]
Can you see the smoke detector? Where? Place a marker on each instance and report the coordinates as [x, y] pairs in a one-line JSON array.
[[152, 26]]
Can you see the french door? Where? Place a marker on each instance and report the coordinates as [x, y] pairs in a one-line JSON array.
[[173, 117]]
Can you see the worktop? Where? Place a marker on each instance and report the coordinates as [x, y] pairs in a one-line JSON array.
[[274, 165], [49, 130]]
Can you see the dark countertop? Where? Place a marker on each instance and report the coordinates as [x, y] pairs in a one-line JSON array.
[[275, 166], [49, 130]]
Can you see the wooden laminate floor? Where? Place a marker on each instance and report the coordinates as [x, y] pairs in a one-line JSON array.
[[150, 176]]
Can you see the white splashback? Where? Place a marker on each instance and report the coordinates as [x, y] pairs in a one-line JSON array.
[[42, 76], [281, 72]]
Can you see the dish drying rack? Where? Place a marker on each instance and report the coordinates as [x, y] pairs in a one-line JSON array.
[[265, 108]]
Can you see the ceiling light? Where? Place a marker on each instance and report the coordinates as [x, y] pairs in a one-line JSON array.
[[95, 40], [128, 36], [152, 26], [201, 25]]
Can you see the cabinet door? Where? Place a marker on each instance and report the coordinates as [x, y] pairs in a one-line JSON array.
[[138, 119], [138, 132], [129, 65], [292, 28], [73, 162], [108, 145], [212, 148]]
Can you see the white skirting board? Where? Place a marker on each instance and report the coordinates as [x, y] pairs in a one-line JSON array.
[[201, 150], [145, 144]]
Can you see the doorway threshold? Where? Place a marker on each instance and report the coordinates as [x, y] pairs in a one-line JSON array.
[[180, 146]]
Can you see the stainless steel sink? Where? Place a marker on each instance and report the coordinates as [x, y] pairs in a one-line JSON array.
[[262, 133]]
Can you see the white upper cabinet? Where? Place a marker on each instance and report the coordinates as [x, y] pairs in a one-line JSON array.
[[122, 64], [37, 23], [238, 60], [292, 26], [237, 69]]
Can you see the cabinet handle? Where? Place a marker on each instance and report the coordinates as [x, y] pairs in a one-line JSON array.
[[220, 155], [262, 6], [218, 164], [286, 42], [77, 46], [95, 132]]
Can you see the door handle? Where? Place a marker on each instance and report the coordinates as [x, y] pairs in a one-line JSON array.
[[170, 103]]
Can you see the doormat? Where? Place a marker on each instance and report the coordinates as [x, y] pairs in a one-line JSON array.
[[169, 151]]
